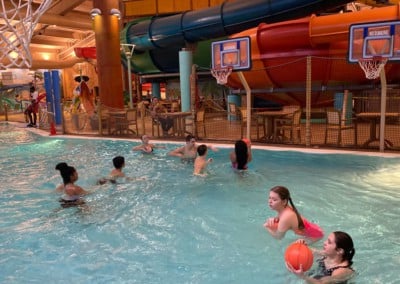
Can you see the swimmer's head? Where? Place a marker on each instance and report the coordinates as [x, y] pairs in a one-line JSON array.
[[145, 138], [190, 138], [202, 150], [118, 162]]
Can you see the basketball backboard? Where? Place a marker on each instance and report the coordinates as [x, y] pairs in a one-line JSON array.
[[233, 53], [371, 40]]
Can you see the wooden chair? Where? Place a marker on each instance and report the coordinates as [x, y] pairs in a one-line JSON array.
[[233, 112], [196, 123], [155, 124], [132, 120], [336, 122], [291, 123], [255, 121], [200, 122]]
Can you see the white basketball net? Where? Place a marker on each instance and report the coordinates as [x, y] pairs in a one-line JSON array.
[[372, 67], [17, 22], [221, 75]]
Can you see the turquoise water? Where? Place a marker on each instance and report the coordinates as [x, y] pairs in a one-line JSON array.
[[176, 228]]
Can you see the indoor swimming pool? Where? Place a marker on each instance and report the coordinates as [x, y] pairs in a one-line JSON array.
[[173, 227]]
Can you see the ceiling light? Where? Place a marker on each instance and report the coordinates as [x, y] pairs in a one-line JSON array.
[[115, 12], [95, 12]]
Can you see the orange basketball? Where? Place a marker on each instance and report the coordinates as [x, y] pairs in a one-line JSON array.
[[299, 254]]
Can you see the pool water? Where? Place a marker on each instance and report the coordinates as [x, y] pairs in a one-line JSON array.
[[174, 227]]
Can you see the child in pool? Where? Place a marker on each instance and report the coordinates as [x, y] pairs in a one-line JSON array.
[[201, 161], [288, 217], [119, 164], [72, 193], [242, 155]]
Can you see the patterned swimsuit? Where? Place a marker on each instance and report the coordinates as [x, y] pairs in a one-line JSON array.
[[323, 271]]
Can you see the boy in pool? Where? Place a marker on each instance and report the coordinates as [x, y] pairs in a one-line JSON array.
[[201, 161], [119, 164]]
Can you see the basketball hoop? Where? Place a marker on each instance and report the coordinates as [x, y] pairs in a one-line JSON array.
[[372, 66], [20, 19], [221, 74]]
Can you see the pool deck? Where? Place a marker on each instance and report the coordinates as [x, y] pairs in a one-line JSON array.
[[18, 120]]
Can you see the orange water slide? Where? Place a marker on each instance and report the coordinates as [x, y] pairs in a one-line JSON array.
[[274, 46]]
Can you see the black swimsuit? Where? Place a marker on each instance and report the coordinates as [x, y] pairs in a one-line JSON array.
[[323, 271]]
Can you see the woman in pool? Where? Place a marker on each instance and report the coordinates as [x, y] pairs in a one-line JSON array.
[[71, 193], [288, 217], [334, 262], [146, 147], [242, 155]]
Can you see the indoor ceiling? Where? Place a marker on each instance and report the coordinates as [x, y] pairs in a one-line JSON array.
[[64, 26]]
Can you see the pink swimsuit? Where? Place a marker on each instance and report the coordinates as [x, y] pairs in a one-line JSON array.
[[310, 230]]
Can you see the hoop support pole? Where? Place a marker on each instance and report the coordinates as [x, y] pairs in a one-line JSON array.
[[308, 100], [248, 102], [383, 110]]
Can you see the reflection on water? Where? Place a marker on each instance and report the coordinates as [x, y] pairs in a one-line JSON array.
[[173, 227]]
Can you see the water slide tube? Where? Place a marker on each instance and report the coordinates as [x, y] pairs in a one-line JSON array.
[[323, 36], [158, 40]]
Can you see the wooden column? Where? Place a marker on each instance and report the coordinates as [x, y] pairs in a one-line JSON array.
[[107, 35]]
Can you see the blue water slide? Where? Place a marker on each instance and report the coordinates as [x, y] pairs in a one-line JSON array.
[[158, 40]]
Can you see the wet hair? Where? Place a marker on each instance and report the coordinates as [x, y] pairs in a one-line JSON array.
[[284, 194], [344, 241], [202, 149], [189, 137], [241, 152], [118, 162], [65, 171]]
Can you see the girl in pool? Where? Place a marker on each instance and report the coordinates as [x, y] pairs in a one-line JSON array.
[[334, 262], [146, 147], [242, 155], [288, 217], [71, 193]]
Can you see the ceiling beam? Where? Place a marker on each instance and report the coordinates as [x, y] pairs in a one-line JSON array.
[[63, 7], [64, 21], [74, 20], [56, 33], [53, 41]]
